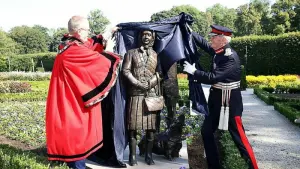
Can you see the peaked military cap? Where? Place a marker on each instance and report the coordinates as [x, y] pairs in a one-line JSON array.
[[220, 30]]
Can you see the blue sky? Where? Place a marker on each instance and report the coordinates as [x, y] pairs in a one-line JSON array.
[[56, 13]]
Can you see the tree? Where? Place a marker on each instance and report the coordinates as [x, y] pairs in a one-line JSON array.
[[252, 18], [29, 40], [284, 13], [7, 45], [223, 16], [202, 21], [295, 23], [98, 21], [56, 38], [45, 32]]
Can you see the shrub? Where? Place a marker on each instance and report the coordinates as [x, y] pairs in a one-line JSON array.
[[272, 81], [14, 87], [30, 76], [268, 54], [243, 79], [27, 62], [269, 89], [39, 90], [290, 110]]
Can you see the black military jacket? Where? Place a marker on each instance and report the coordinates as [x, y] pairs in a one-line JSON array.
[[226, 66]]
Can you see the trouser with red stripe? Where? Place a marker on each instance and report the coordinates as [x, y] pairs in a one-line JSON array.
[[235, 128]]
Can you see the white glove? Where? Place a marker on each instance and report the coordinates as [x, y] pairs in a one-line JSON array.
[[189, 68]]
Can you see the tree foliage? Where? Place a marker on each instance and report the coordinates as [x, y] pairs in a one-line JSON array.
[[202, 20], [285, 17], [7, 45], [98, 21], [29, 39], [222, 15], [252, 18], [56, 38]]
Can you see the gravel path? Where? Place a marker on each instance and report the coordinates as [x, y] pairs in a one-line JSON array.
[[275, 140]]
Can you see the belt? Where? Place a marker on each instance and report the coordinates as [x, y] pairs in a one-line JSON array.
[[226, 91]]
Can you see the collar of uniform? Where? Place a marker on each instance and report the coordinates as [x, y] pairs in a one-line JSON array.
[[222, 49]]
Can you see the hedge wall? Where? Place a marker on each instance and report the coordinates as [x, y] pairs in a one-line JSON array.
[[24, 62], [266, 55], [270, 55]]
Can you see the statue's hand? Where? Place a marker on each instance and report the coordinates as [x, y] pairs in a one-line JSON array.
[[144, 86]]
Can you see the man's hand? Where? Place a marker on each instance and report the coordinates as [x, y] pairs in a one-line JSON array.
[[189, 68]]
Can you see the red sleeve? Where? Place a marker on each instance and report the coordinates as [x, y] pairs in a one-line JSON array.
[[92, 74]]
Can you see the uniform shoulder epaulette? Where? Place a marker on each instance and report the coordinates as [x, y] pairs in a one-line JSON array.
[[228, 52]]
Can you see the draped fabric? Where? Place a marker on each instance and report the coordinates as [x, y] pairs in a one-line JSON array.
[[173, 43]]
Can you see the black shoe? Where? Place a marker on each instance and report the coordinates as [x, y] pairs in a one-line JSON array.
[[149, 160], [132, 160], [116, 164]]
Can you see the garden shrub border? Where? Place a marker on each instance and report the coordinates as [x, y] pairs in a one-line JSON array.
[[282, 105]]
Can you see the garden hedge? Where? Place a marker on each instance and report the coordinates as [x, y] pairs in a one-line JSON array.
[[266, 55], [290, 110], [27, 61]]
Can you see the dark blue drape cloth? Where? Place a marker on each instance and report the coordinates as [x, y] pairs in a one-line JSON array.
[[173, 43]]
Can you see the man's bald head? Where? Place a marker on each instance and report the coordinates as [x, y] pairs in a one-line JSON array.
[[76, 23], [79, 25]]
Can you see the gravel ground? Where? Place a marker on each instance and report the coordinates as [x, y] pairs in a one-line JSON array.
[[275, 140]]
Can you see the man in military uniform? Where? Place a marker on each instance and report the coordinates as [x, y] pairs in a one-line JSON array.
[[225, 100]]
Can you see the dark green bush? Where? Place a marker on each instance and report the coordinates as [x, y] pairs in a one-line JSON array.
[[290, 110], [29, 62], [266, 55], [269, 89], [243, 79], [294, 90]]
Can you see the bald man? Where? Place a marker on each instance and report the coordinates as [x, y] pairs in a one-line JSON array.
[[81, 79]]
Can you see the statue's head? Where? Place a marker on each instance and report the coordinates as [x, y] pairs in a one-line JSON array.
[[147, 38]]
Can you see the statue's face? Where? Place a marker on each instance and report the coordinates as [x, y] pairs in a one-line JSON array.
[[147, 37]]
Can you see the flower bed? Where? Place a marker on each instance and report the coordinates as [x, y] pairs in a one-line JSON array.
[[38, 92], [28, 76], [14, 87], [23, 121], [272, 81]]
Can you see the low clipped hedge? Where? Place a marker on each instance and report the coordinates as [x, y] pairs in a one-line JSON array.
[[230, 155], [290, 110], [13, 158]]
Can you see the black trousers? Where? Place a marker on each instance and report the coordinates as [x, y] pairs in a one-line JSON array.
[[235, 128]]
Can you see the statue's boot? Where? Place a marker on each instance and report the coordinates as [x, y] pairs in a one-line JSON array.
[[149, 146], [132, 149]]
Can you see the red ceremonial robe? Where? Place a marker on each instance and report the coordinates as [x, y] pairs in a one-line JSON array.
[[81, 78]]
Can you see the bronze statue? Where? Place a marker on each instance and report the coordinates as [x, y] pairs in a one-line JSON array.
[[141, 70]]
